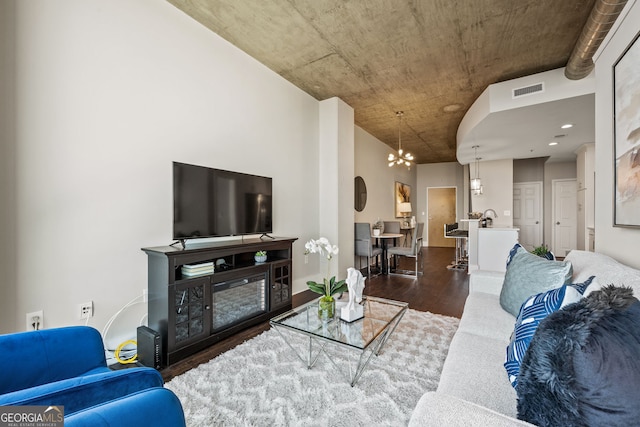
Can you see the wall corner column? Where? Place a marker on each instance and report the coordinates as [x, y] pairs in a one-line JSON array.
[[336, 164]]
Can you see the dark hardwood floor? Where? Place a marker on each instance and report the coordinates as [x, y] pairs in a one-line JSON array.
[[438, 290]]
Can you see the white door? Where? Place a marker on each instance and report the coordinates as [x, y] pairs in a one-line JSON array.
[[565, 214], [527, 213]]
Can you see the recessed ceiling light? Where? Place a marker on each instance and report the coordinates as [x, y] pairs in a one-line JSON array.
[[452, 108], [553, 143], [566, 126]]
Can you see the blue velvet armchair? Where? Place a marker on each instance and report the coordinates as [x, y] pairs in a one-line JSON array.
[[67, 367], [152, 407]]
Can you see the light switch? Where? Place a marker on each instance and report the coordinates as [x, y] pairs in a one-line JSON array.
[[507, 213]]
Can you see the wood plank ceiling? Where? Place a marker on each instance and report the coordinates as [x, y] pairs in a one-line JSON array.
[[428, 58]]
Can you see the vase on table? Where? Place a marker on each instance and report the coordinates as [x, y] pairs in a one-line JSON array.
[[326, 308]]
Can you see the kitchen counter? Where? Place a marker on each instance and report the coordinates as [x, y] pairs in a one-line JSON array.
[[472, 242], [500, 228], [494, 245], [488, 248]]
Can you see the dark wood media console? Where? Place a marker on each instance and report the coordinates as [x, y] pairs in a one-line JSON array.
[[193, 312]]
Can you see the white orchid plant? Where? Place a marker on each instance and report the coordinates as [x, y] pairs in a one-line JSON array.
[[329, 287]]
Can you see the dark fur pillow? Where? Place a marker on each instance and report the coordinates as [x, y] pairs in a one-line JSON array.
[[582, 367]]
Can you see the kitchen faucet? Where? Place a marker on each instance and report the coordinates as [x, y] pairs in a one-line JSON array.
[[490, 211]]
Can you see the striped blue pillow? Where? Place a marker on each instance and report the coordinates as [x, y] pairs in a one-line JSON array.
[[532, 312]]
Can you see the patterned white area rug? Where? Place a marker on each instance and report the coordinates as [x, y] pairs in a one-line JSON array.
[[262, 383]]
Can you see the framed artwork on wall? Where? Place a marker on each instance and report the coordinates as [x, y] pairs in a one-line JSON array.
[[626, 100], [402, 195]]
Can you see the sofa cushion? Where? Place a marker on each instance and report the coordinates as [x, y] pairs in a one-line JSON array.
[[605, 268], [473, 371], [583, 364], [489, 282], [535, 309], [483, 316], [528, 274], [440, 409]]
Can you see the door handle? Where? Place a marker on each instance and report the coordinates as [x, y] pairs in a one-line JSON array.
[[537, 222], [558, 223]]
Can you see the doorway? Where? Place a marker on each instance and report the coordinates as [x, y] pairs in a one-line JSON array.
[[441, 210], [564, 229], [527, 213]]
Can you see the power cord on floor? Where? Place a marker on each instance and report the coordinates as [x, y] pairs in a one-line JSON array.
[[105, 331], [119, 349]]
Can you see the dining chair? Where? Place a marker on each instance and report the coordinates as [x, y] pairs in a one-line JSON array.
[[415, 251], [392, 227], [364, 245]]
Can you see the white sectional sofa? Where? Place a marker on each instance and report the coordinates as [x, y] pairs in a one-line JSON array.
[[474, 388]]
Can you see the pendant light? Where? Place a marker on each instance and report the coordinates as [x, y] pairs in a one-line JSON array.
[[402, 157], [476, 183]]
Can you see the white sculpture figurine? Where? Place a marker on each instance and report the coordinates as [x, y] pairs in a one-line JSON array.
[[355, 282]]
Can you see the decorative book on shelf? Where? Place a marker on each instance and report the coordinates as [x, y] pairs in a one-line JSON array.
[[191, 270], [201, 265]]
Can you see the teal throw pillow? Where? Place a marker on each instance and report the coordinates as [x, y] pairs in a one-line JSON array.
[[528, 274]]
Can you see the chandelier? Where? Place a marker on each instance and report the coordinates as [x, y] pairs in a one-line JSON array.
[[476, 183], [402, 157]]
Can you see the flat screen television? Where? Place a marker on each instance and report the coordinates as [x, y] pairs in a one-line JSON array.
[[213, 203]]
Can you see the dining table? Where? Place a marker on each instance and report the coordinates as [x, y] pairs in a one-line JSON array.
[[383, 239]]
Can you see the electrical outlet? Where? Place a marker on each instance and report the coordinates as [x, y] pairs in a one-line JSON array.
[[85, 310], [306, 259], [145, 295], [35, 320]]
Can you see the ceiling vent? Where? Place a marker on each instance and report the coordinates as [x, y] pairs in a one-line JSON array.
[[527, 90]]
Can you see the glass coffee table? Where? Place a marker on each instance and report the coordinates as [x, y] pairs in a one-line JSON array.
[[364, 337]]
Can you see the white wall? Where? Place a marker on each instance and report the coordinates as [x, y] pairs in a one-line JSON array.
[[7, 167], [335, 198], [108, 94], [529, 170], [497, 182], [620, 243], [372, 165]]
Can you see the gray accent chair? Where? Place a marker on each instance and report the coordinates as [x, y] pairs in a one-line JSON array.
[[364, 244], [415, 251]]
